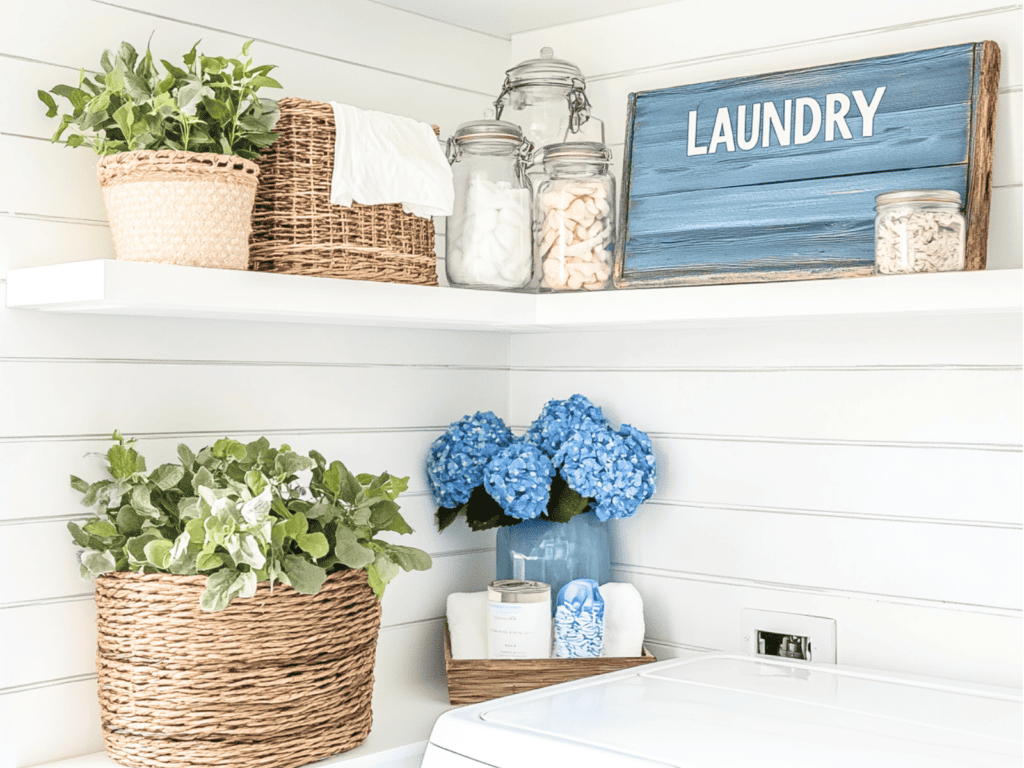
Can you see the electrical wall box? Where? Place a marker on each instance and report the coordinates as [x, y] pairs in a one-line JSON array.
[[789, 635]]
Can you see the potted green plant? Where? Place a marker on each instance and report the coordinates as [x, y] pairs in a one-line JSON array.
[[177, 146], [237, 595]]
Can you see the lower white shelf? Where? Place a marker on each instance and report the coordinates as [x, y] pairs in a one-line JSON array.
[[113, 287]]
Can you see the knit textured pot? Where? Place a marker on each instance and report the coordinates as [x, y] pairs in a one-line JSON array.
[[188, 208], [274, 681]]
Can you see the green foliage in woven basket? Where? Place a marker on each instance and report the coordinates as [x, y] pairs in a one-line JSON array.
[[239, 515], [210, 105]]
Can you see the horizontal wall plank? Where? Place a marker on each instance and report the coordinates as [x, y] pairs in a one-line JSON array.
[[47, 642], [31, 242], [831, 405], [856, 345], [95, 397], [924, 640], [1005, 243], [678, 31], [931, 485], [956, 564], [364, 32], [35, 732]]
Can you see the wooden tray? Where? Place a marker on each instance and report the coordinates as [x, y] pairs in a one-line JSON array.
[[471, 681], [704, 203]]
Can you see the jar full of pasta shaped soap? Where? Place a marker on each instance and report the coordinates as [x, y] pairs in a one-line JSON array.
[[488, 241], [919, 230], [574, 218]]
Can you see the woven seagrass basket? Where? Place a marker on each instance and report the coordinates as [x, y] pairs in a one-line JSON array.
[[278, 680], [187, 208], [297, 230]]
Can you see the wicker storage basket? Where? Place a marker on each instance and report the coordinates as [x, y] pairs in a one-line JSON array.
[[281, 679], [188, 208], [296, 229], [471, 681]]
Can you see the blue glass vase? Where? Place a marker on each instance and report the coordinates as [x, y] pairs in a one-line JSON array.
[[555, 553]]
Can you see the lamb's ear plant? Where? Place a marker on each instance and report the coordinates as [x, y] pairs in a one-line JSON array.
[[239, 515], [208, 105]]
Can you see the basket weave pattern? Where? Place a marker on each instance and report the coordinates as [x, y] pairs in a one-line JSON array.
[[297, 230], [187, 208], [275, 681]]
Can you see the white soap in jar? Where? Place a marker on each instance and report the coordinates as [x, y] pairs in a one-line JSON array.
[[518, 619]]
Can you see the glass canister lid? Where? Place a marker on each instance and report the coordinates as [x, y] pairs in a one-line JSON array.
[[488, 130], [577, 151], [545, 70], [918, 196]]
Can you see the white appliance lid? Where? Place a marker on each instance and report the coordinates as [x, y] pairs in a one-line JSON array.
[[735, 710]]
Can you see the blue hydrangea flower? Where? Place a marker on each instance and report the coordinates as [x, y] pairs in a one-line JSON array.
[[455, 465], [616, 469], [559, 420], [519, 479]]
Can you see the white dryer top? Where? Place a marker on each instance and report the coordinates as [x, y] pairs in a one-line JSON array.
[[724, 710]]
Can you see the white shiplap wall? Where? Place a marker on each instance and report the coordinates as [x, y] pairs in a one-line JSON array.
[[374, 398], [867, 471]]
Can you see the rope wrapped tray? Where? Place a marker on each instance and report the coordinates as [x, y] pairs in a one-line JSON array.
[[471, 681], [297, 230], [187, 208], [274, 681]]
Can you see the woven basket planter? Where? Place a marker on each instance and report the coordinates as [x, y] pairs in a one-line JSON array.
[[187, 208], [278, 680], [297, 230]]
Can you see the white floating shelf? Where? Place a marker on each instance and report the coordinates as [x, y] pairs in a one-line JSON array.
[[158, 290]]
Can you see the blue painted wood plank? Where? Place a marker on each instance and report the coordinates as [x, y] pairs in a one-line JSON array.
[[841, 198], [932, 136]]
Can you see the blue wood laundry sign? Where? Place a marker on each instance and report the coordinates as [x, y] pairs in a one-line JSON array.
[[774, 177]]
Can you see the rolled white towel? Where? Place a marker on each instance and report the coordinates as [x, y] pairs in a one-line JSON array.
[[623, 620], [467, 624]]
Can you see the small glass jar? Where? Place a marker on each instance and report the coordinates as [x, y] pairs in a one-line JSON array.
[[547, 98], [919, 230], [488, 240], [574, 218]]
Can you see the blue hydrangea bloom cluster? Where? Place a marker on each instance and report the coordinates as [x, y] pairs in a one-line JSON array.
[[519, 479], [458, 457], [614, 468]]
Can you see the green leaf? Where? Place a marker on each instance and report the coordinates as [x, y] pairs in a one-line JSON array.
[[203, 479], [296, 526], [96, 563], [136, 547], [303, 575], [313, 544], [409, 558], [158, 552], [129, 522], [105, 61], [226, 448], [124, 462], [189, 508], [208, 561], [386, 568], [47, 99], [323, 510], [114, 81], [81, 538], [349, 551], [332, 479], [213, 66], [565, 503], [446, 516], [245, 47], [256, 481], [79, 484], [374, 580], [262, 81], [189, 97], [102, 528], [136, 88], [221, 587], [290, 463], [166, 476], [190, 57], [382, 513], [141, 500]]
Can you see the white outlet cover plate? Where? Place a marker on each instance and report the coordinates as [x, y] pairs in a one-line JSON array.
[[820, 630]]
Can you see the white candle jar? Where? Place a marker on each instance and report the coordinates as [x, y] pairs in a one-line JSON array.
[[919, 230], [518, 620], [574, 218], [488, 238]]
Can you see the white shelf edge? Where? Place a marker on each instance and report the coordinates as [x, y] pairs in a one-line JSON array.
[[107, 286]]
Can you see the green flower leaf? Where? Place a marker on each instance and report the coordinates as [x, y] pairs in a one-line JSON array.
[[303, 575], [166, 476], [222, 587], [141, 501], [349, 551], [313, 544], [79, 484], [102, 528], [95, 563], [158, 552], [129, 522]]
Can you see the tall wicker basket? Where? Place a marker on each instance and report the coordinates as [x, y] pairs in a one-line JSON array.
[[278, 680], [297, 230], [187, 208]]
